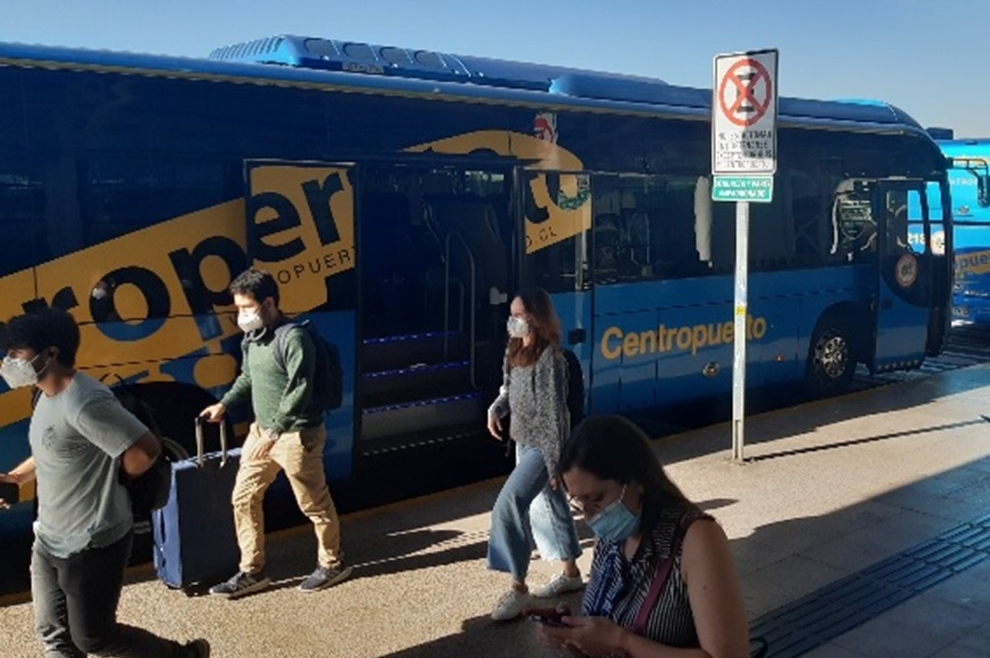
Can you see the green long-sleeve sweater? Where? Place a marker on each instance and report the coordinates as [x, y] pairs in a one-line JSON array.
[[282, 400]]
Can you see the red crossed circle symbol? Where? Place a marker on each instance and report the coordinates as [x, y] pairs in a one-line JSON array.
[[745, 83]]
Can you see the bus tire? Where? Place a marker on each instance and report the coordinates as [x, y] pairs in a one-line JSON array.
[[831, 362]]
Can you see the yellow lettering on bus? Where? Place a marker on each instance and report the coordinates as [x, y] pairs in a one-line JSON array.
[[175, 263], [974, 262], [615, 342], [607, 351], [569, 211], [630, 345], [144, 264], [314, 208], [648, 341]]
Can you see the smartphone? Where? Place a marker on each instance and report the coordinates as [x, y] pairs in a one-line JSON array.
[[10, 493], [549, 617]]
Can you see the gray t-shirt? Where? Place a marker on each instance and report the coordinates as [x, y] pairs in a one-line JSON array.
[[77, 438]]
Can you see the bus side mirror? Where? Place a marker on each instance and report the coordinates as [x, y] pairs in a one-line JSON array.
[[983, 190]]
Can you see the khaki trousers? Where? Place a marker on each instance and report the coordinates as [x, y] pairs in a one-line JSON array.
[[300, 455]]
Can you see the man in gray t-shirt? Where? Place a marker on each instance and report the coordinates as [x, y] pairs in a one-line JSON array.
[[80, 500], [82, 443]]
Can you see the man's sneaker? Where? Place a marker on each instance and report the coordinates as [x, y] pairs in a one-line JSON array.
[[511, 605], [198, 648], [324, 577], [559, 584], [240, 584]]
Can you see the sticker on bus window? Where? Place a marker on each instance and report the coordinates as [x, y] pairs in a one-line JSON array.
[[906, 271], [545, 127], [938, 243]]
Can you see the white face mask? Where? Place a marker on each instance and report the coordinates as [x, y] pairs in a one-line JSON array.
[[249, 321], [19, 373], [517, 327]]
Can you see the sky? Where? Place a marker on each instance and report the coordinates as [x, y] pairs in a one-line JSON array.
[[924, 56]]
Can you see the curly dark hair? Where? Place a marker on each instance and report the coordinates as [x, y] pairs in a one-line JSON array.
[[40, 330]]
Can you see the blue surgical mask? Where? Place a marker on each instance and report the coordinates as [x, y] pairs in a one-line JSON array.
[[615, 522]]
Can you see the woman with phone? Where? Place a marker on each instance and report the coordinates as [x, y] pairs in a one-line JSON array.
[[531, 506], [662, 575]]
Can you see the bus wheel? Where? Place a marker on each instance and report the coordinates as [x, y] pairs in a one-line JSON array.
[[830, 366]]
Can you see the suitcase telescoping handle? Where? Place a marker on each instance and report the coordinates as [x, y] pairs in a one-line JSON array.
[[200, 461]]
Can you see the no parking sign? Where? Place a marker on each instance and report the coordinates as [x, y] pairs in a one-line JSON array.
[[744, 126]]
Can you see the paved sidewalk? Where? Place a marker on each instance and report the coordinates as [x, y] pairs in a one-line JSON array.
[[830, 489]]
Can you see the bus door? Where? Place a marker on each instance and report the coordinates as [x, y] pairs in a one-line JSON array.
[[300, 220], [941, 237], [555, 221], [435, 260], [904, 290]]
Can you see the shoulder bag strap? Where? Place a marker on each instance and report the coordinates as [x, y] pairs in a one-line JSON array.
[[506, 370], [662, 575]]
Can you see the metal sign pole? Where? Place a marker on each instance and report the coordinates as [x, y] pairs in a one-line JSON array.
[[744, 161], [739, 335]]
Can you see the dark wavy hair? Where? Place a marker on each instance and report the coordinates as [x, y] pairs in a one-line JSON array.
[[615, 448], [545, 326], [40, 330]]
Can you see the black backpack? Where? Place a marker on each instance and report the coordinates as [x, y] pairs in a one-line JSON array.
[[328, 384], [575, 388], [149, 491]]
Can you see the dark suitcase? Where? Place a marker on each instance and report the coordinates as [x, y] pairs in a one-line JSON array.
[[195, 542]]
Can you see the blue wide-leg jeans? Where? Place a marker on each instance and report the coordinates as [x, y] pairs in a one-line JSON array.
[[528, 511]]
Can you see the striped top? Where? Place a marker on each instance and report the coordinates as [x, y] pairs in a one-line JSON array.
[[617, 587]]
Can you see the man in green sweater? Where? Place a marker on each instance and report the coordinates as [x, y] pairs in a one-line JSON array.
[[287, 434]]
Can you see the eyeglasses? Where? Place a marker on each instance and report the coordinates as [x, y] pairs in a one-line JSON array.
[[590, 505]]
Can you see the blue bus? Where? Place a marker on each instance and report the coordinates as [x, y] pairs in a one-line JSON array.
[[400, 196], [969, 180]]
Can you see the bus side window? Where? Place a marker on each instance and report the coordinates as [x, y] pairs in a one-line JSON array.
[[22, 193], [854, 228], [810, 208], [723, 238], [651, 227], [897, 233], [606, 235], [682, 242], [771, 232]]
